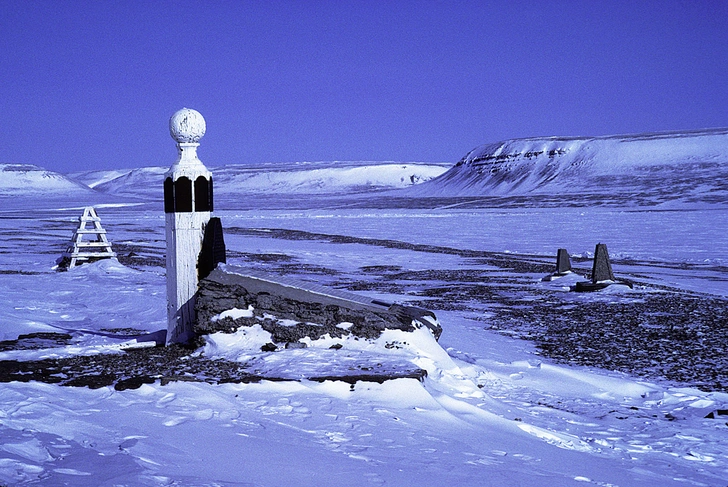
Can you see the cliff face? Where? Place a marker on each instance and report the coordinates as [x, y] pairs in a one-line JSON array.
[[664, 165]]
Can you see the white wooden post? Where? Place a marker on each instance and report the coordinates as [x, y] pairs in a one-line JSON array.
[[187, 207]]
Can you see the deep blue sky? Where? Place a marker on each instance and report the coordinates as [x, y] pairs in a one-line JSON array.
[[92, 84]]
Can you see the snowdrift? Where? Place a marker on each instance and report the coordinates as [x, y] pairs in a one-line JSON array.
[[689, 165]]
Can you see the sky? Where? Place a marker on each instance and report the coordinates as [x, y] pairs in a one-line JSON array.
[[92, 84]]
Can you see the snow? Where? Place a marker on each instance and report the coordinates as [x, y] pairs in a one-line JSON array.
[[234, 314], [490, 411], [588, 165], [29, 179], [95, 178], [231, 345], [284, 178], [326, 178]]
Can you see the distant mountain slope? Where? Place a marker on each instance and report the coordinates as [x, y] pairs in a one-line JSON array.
[[283, 178], [691, 166], [94, 178], [325, 177], [27, 179], [143, 182]]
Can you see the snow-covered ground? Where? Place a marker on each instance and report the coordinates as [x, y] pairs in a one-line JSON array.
[[490, 412]]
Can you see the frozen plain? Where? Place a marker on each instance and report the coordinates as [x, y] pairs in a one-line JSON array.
[[492, 411]]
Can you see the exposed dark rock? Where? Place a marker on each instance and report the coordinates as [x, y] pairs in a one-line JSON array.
[[379, 377], [717, 414], [316, 314], [133, 382], [674, 335], [133, 368], [127, 370], [33, 341], [656, 333], [275, 258], [137, 256], [660, 332]]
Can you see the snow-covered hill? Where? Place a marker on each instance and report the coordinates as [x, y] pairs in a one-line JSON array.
[[633, 170], [27, 179], [143, 182], [691, 166], [325, 177], [279, 178]]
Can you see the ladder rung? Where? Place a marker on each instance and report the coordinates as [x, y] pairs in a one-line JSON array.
[[92, 254], [93, 244], [88, 243], [99, 238]]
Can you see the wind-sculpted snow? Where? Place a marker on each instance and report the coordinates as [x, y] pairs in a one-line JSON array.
[[494, 410], [652, 168]]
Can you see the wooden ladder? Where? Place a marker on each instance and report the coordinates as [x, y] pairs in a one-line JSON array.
[[88, 244]]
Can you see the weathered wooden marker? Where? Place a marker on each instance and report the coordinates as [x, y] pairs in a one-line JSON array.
[[187, 208]]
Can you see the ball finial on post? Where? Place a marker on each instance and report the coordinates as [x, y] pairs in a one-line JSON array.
[[187, 126]]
